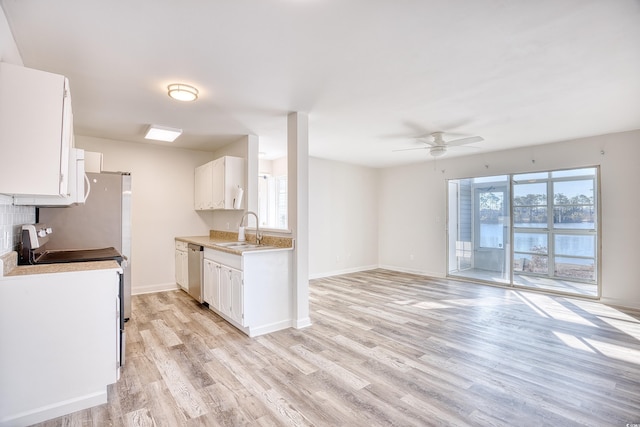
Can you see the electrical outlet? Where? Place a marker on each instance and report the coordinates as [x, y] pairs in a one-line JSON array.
[[411, 257], [227, 226]]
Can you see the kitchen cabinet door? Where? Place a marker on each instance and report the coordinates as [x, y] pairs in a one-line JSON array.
[[225, 291], [78, 186], [36, 123], [211, 283], [217, 180], [231, 294], [181, 265], [203, 187], [237, 295]]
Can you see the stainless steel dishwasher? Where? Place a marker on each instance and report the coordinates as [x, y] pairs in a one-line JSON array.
[[194, 271]]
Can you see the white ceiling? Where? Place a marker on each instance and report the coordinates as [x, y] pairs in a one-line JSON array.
[[370, 73]]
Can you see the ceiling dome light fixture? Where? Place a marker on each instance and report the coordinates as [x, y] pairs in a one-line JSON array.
[[182, 92]]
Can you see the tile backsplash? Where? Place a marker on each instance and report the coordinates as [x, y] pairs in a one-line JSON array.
[[11, 220]]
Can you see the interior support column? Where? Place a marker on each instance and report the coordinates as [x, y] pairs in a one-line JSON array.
[[252, 174], [298, 201]]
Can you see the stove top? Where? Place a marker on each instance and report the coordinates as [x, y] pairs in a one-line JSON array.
[[33, 251], [77, 255]]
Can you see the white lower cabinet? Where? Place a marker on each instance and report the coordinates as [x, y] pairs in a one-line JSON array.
[[223, 288], [211, 283], [251, 291], [182, 264], [231, 294]]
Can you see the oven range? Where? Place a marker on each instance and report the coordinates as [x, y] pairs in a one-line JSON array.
[[33, 251]]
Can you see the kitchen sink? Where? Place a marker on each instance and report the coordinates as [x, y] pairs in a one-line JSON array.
[[239, 245]]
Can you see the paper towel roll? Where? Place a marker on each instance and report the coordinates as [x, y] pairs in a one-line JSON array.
[[237, 201]]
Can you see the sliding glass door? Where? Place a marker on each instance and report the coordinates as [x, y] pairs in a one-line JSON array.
[[550, 218], [480, 208]]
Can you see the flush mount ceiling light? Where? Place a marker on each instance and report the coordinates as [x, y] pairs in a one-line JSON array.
[[182, 92], [162, 133]]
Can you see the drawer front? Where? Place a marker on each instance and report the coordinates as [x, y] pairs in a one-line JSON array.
[[181, 246], [224, 258]]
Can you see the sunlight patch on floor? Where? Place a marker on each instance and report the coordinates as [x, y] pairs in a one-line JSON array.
[[553, 309], [626, 354], [573, 341], [431, 305]]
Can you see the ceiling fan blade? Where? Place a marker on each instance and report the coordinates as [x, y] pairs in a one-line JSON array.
[[426, 140], [409, 149], [463, 141]]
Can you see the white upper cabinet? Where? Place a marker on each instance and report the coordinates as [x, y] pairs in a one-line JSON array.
[[203, 196], [78, 186], [36, 131], [217, 183]]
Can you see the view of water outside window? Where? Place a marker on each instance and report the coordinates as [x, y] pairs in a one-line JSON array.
[[553, 231]]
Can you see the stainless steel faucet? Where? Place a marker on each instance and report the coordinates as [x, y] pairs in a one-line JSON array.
[[258, 234]]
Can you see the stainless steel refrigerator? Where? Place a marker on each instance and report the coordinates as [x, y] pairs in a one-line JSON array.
[[103, 221]]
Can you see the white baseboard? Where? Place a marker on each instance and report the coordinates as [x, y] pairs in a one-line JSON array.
[[302, 323], [266, 329], [159, 287], [343, 271], [615, 302], [413, 271], [55, 410]]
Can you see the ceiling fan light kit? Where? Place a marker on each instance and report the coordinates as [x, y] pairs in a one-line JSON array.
[[182, 92], [438, 151]]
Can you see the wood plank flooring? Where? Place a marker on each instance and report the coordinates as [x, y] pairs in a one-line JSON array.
[[384, 349]]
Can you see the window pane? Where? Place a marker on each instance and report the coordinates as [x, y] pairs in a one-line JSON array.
[[574, 172], [575, 268], [530, 194], [573, 192], [530, 242], [491, 209], [530, 217], [530, 263], [568, 244], [491, 235], [497, 178], [530, 176], [574, 217]]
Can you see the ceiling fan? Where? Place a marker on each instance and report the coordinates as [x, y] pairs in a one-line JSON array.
[[438, 146]]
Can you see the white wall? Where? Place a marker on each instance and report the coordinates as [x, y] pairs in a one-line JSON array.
[[162, 204], [412, 205], [343, 218], [8, 48], [412, 219]]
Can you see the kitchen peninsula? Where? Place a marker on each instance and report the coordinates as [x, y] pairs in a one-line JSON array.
[[60, 337], [248, 285]]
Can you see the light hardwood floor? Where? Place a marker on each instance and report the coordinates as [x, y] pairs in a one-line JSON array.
[[384, 349]]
